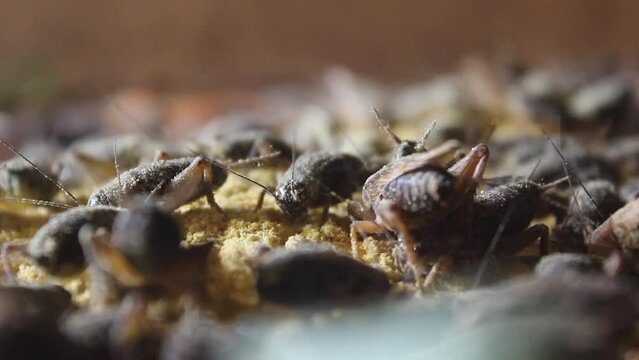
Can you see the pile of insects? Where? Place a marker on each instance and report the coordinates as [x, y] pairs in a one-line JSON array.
[[490, 199]]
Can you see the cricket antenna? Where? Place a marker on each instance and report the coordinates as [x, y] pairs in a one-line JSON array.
[[534, 170], [253, 160], [421, 143], [265, 188], [356, 149], [118, 108], [117, 168], [386, 127], [570, 172], [294, 149], [36, 202], [555, 183], [488, 132], [49, 178]]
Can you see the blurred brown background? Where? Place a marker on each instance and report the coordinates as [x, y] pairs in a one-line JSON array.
[[198, 43]]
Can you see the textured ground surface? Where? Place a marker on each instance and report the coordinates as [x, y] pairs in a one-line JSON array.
[[236, 236]]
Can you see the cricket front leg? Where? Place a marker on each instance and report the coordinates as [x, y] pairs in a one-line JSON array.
[[210, 199], [362, 227], [102, 254], [260, 201]]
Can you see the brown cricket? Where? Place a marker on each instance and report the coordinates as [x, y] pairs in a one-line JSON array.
[[413, 191]]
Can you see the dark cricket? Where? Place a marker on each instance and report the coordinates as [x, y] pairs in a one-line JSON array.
[[501, 218]]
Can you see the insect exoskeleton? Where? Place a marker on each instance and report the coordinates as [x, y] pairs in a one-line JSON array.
[[317, 179], [404, 147], [315, 274], [144, 251], [519, 201], [585, 212], [414, 191], [171, 183], [55, 247], [620, 232], [497, 221]]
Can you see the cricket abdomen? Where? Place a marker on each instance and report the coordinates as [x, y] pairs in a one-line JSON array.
[[425, 191], [141, 180]]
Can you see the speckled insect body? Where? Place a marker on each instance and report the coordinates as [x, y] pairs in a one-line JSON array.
[[171, 183], [404, 147], [413, 192], [318, 179], [143, 252], [519, 202], [313, 274], [586, 211], [55, 247], [501, 214]]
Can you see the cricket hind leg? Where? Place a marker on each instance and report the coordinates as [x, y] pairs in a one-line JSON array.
[[195, 180], [408, 241], [324, 216], [514, 244], [104, 255]]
